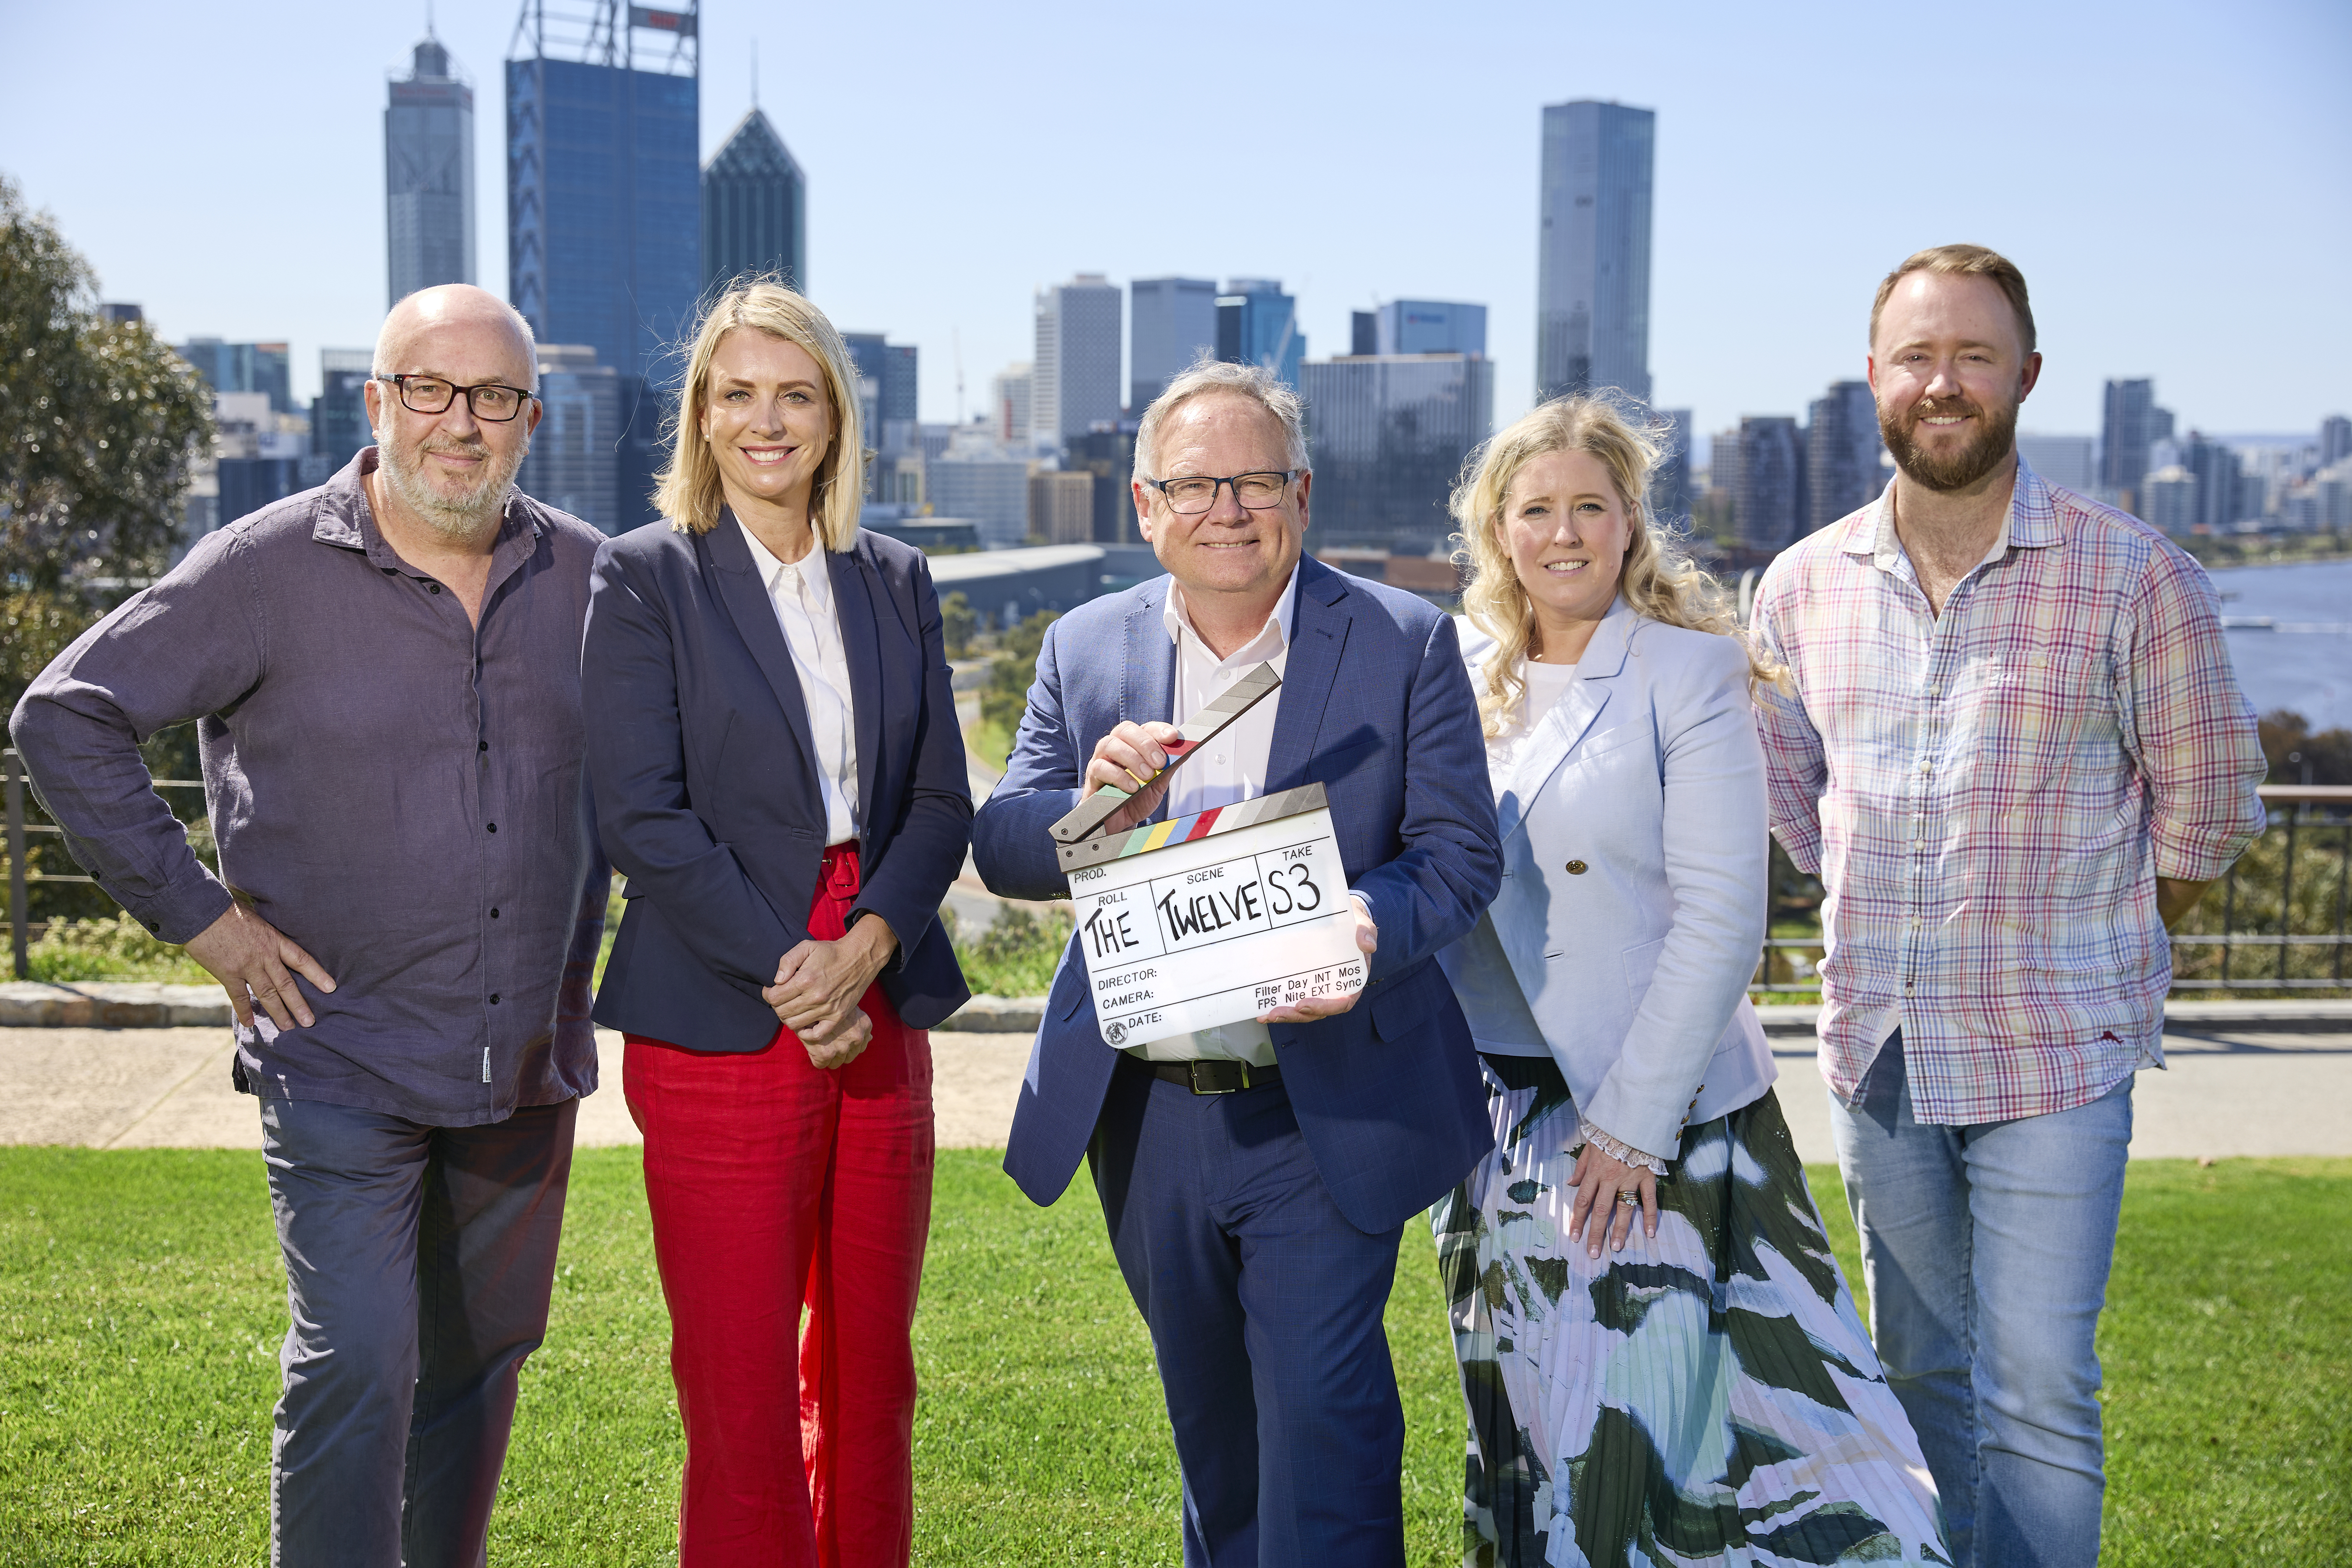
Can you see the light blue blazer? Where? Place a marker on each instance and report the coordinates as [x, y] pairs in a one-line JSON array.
[[1635, 869]]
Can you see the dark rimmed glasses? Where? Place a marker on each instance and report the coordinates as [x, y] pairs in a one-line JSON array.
[[1189, 494], [490, 401]]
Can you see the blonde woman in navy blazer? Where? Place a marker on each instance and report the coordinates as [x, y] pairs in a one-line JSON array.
[[1657, 1349]]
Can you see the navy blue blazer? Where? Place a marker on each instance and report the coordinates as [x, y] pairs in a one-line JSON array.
[[706, 785], [1388, 1094]]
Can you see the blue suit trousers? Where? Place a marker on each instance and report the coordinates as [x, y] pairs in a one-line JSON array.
[[1264, 1305]]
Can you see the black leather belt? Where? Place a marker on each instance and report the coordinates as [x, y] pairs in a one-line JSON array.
[[1215, 1077]]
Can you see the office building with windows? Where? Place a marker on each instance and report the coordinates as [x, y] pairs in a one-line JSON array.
[[754, 209], [572, 466], [1387, 434], [2168, 499], [1842, 453], [2335, 441], [1257, 323], [886, 387], [2220, 492], [2133, 425], [264, 368], [2066, 461], [605, 201], [1075, 382], [985, 486], [1672, 496], [1109, 457], [1170, 322], [1770, 505], [1592, 269], [1429, 327], [428, 176], [339, 419], [1009, 392]]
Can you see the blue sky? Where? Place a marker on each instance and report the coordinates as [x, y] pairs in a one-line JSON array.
[[2172, 177]]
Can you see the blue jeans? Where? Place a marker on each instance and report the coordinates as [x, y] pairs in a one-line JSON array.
[[419, 1261], [1986, 1249]]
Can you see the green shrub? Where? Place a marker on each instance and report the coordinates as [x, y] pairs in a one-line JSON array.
[[111, 947], [1016, 954]]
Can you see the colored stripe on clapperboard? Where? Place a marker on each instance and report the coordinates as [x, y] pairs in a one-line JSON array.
[[1201, 825]]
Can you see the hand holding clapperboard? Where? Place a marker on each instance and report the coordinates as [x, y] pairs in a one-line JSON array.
[[1213, 918]]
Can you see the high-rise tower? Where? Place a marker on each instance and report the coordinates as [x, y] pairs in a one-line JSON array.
[[1592, 269], [604, 176], [428, 176], [754, 208], [1075, 385], [1257, 323], [1170, 322], [604, 200]]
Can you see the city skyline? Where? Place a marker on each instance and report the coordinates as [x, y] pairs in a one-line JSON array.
[[1746, 232]]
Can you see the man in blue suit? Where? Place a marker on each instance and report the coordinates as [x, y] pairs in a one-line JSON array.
[[1256, 1178]]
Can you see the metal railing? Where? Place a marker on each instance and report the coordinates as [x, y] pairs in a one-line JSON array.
[[2310, 826], [22, 874], [2262, 926]]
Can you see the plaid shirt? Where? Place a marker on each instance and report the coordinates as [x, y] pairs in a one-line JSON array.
[[1989, 796]]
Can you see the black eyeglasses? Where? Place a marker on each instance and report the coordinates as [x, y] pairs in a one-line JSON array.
[[430, 394], [1191, 494]]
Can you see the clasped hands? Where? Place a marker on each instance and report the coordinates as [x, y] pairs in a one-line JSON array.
[[1132, 752], [817, 988]]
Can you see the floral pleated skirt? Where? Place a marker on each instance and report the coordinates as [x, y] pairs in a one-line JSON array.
[[1708, 1397]]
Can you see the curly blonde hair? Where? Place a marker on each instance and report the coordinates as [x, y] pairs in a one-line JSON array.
[[686, 492], [1659, 581]]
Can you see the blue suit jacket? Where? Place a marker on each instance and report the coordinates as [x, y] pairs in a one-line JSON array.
[[1388, 1094], [706, 785]]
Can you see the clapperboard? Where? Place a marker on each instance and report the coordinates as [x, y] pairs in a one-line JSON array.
[[1213, 918]]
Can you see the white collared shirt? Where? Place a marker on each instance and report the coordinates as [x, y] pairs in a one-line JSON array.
[[1233, 767], [802, 591]]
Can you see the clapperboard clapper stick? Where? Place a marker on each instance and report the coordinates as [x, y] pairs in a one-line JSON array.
[[1197, 731], [1201, 920]]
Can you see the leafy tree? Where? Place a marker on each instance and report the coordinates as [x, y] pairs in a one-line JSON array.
[[2297, 755], [959, 624], [99, 424], [1006, 695]]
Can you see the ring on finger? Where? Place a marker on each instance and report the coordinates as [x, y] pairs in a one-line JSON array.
[[1630, 1198]]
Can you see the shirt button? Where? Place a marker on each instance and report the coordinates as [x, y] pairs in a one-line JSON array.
[[494, 827], [1576, 867], [481, 745], [494, 998], [494, 914], [433, 587]]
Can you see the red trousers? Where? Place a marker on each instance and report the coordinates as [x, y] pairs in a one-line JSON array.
[[773, 1185]]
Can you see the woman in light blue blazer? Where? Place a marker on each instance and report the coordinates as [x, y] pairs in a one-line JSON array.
[[1657, 1348]]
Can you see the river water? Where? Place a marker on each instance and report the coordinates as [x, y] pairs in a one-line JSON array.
[[2304, 662]]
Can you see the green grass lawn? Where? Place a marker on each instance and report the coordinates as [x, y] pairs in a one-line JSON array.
[[142, 1304]]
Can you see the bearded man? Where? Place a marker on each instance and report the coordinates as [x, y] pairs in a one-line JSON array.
[[385, 677], [2013, 750]]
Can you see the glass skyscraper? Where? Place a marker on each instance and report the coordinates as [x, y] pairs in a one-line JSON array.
[[1257, 323], [1387, 435], [1842, 473], [1170, 322], [428, 176], [1073, 381], [754, 209], [605, 202], [1592, 268], [1429, 327]]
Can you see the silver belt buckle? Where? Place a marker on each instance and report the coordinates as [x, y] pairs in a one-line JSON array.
[[1192, 1071]]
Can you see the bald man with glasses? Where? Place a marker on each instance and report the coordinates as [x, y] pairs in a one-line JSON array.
[[385, 677]]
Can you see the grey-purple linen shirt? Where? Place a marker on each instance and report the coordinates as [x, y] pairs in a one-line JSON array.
[[396, 790]]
